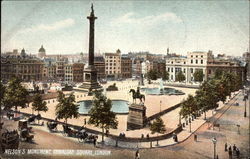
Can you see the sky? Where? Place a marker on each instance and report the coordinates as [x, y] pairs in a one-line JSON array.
[[183, 26]]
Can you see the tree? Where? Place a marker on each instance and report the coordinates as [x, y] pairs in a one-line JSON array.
[[180, 76], [212, 99], [152, 75], [2, 92], [66, 108], [238, 82], [198, 75], [165, 75], [101, 115], [189, 108], [218, 74], [157, 127], [15, 95], [38, 104], [202, 100]]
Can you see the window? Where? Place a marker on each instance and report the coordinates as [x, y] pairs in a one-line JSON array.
[[184, 63], [196, 56], [191, 70], [172, 62], [201, 56], [184, 70], [172, 69], [201, 61], [196, 61], [191, 61], [168, 69]]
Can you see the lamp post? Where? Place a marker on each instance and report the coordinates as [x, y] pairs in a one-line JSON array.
[[245, 99], [238, 126], [214, 142], [160, 105]]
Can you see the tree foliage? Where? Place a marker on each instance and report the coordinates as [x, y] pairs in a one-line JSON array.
[[152, 74], [38, 104], [180, 76], [157, 126], [198, 75], [100, 113], [211, 92], [2, 91], [15, 94], [66, 108], [165, 75]]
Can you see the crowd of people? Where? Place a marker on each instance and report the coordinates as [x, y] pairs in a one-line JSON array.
[[231, 152]]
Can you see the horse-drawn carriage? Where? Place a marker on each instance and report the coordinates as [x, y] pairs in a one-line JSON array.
[[25, 130], [34, 117], [80, 134], [67, 131], [10, 115], [25, 135], [52, 126], [23, 124]]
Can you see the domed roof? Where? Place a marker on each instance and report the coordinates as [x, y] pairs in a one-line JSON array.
[[41, 49]]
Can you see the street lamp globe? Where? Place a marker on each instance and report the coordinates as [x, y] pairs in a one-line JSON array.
[[214, 140]]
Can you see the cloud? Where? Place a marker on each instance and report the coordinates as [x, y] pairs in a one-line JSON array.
[[130, 18], [50, 27]]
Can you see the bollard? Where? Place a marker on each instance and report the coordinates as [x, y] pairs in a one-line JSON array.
[[116, 143]]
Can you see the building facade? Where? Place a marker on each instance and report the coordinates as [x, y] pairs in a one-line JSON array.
[[68, 75], [188, 65], [60, 63], [28, 68], [126, 67], [246, 57], [99, 63], [78, 69], [113, 64], [227, 66]]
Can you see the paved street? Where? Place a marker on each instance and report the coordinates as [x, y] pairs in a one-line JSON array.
[[188, 149]]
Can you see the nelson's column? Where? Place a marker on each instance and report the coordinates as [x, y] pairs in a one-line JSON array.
[[90, 73]]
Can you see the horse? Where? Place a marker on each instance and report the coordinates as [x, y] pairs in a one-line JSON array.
[[137, 95]]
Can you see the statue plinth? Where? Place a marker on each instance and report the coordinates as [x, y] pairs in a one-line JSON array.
[[136, 117]]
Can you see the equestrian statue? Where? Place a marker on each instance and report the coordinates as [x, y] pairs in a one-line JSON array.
[[137, 94]]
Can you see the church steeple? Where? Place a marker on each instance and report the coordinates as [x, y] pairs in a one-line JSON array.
[[23, 54]]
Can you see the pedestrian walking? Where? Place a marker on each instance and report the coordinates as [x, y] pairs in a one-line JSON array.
[[142, 136], [85, 121], [234, 148], [195, 137], [225, 146], [237, 153], [137, 154], [230, 153], [94, 142]]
